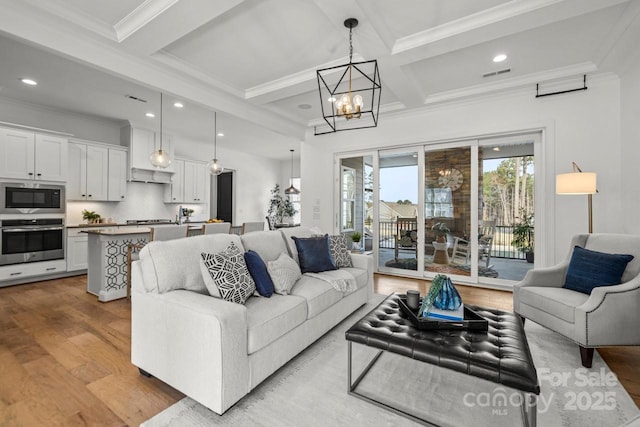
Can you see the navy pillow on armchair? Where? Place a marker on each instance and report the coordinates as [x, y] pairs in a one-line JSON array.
[[589, 269], [314, 254]]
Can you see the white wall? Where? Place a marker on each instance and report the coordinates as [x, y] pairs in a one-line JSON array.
[[630, 154], [583, 127]]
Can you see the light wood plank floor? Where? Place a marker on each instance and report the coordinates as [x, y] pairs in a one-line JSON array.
[[65, 357]]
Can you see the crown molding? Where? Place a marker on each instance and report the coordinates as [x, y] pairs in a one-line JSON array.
[[471, 22], [84, 20], [297, 78], [141, 16]]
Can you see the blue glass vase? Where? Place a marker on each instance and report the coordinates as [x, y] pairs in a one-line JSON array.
[[448, 297]]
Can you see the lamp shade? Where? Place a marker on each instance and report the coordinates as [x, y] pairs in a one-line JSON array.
[[576, 183]]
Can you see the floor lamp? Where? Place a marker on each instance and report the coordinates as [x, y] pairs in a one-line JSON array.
[[578, 182]]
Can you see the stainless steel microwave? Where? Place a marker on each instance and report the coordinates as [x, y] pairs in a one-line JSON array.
[[31, 197]]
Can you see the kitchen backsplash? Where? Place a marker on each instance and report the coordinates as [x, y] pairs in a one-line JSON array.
[[143, 201]]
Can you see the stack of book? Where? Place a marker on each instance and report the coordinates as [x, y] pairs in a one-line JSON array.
[[437, 314]]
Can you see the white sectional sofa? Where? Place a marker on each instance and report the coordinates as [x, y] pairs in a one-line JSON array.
[[217, 351]]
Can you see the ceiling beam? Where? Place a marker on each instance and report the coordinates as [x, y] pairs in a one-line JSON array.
[[158, 23]]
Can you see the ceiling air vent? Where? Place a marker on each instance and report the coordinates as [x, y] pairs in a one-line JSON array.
[[495, 73], [135, 98]]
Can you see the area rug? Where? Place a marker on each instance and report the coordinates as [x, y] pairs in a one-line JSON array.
[[311, 390], [462, 270]]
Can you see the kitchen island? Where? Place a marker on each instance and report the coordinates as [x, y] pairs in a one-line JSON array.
[[107, 260]]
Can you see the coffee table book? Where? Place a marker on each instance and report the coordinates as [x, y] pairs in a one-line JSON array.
[[472, 320]]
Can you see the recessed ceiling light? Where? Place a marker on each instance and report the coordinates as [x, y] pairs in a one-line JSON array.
[[500, 57], [178, 104], [220, 134], [29, 82], [150, 115], [496, 148]]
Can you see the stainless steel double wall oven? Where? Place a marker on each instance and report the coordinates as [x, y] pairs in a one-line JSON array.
[[26, 235]]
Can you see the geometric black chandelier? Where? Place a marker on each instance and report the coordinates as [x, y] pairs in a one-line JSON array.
[[349, 93]]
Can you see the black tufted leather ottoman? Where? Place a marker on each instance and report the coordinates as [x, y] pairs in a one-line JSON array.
[[500, 355]]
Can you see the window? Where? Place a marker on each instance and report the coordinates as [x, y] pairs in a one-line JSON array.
[[295, 200], [348, 205]]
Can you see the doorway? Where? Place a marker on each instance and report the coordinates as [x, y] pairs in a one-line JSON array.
[[224, 196]]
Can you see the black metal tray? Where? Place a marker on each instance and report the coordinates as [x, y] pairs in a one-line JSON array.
[[472, 320]]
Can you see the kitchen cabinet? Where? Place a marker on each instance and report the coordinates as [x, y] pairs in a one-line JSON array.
[[117, 187], [29, 155], [97, 172], [143, 142], [174, 192], [10, 274], [88, 177], [189, 184], [77, 249], [195, 182]]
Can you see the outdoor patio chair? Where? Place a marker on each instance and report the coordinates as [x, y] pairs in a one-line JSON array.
[[406, 234], [462, 247]]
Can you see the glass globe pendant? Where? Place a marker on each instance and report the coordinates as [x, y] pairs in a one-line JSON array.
[[214, 166], [160, 158]]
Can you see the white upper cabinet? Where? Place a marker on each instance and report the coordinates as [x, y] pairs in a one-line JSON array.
[[29, 155], [97, 172], [117, 175], [190, 183], [174, 192]]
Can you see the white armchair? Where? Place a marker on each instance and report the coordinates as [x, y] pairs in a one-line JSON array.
[[609, 316]]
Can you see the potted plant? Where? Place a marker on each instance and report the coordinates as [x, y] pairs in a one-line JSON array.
[[441, 230], [523, 235], [90, 216], [356, 236], [280, 207]]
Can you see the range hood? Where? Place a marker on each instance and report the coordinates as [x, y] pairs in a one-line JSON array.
[[152, 176], [142, 142]]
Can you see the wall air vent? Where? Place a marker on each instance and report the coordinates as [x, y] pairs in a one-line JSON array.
[[495, 73], [135, 98]]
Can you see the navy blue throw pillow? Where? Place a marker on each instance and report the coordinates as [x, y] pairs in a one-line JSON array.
[[259, 273], [314, 254], [589, 269]]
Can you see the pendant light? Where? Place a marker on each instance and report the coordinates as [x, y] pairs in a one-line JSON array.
[[213, 165], [291, 189], [160, 158], [349, 93]]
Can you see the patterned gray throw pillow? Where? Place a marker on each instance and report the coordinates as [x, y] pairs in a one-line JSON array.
[[284, 273], [226, 275], [339, 251]]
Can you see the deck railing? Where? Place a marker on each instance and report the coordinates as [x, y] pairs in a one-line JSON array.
[[501, 247]]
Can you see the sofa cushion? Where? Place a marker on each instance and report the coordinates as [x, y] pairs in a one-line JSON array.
[[313, 254], [268, 244], [258, 270], [360, 275], [284, 273], [288, 233], [589, 269], [558, 302], [269, 319], [175, 264], [226, 275], [318, 294], [340, 251]]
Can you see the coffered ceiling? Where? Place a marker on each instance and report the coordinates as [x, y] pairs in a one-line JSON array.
[[255, 61]]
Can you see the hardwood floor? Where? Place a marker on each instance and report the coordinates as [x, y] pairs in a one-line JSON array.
[[65, 357]]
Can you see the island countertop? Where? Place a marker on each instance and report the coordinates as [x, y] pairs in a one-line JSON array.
[[118, 231]]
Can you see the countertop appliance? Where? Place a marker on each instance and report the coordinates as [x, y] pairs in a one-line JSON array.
[[28, 197], [31, 240]]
